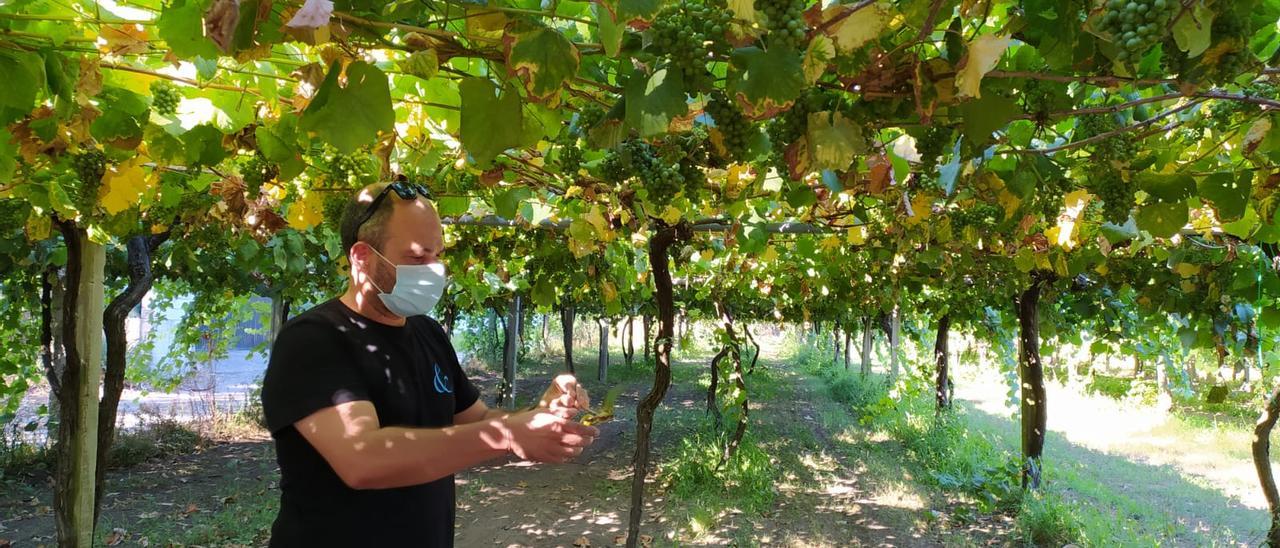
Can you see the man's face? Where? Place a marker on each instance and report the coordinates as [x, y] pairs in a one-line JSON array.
[[414, 236]]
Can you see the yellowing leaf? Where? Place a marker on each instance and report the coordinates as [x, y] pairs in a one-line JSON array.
[[307, 212], [39, 225], [1009, 202], [1066, 234], [123, 39], [817, 56], [921, 209], [858, 28], [1257, 132], [1186, 270], [123, 186], [671, 215], [829, 243], [770, 254], [596, 218], [984, 54], [610, 291], [857, 235]]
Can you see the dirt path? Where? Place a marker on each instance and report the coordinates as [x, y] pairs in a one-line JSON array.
[[827, 495]]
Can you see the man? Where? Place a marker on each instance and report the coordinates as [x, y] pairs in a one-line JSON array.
[[371, 412]]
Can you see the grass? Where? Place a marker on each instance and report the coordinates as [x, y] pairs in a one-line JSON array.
[[162, 438], [238, 517]]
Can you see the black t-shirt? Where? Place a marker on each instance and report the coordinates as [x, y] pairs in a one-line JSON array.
[[330, 355]]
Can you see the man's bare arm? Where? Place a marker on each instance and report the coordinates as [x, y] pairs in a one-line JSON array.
[[368, 456]]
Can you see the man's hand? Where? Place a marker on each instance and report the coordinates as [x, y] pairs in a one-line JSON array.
[[539, 435], [565, 397]]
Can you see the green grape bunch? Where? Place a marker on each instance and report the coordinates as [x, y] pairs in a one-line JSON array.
[[165, 97], [734, 126], [1137, 25], [257, 170], [89, 167], [935, 141], [1119, 148], [691, 34], [785, 21], [568, 153], [1229, 29], [635, 159], [1116, 194]]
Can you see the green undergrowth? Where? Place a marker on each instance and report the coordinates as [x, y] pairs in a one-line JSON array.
[[162, 438], [235, 517], [976, 470]]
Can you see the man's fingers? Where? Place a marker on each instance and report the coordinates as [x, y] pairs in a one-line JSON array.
[[576, 440], [580, 429]]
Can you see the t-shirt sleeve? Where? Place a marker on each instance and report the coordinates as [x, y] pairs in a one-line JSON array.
[[310, 369], [465, 394]]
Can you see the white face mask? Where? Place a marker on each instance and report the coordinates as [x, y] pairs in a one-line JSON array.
[[417, 289]]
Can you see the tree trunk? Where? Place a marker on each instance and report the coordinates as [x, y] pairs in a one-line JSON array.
[[835, 346], [712, 407], [1262, 462], [659, 255], [566, 325], [942, 389], [52, 354], [78, 434], [895, 329], [627, 340], [647, 321], [546, 319], [1034, 412], [755, 355], [739, 381], [866, 345], [848, 349], [139, 250], [507, 392], [602, 361], [1137, 367], [279, 314]]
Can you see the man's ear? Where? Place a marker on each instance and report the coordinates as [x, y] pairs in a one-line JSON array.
[[359, 255]]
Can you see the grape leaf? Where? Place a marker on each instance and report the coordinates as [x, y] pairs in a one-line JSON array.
[[766, 82], [609, 31], [1229, 193], [851, 26], [653, 101], [123, 186], [986, 115], [8, 155], [306, 212], [1162, 219], [24, 79], [181, 26], [204, 145], [542, 58], [491, 123], [1191, 31], [984, 53], [352, 116], [1167, 188], [123, 119], [834, 140]]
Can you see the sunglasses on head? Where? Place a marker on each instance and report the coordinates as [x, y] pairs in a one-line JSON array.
[[404, 189]]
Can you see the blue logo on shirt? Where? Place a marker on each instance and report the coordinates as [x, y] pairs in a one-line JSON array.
[[442, 382]]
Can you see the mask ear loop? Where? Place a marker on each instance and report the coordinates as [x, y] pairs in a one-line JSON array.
[[375, 251]]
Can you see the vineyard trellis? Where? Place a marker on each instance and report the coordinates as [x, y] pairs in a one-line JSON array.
[[970, 162]]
